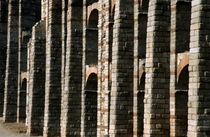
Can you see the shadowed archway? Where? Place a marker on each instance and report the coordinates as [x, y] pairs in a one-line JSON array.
[[22, 103], [181, 100], [91, 106], [92, 39]]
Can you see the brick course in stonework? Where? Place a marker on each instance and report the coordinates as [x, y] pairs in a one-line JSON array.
[[106, 68]]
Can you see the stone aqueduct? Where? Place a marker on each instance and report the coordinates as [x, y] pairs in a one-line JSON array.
[[106, 68]]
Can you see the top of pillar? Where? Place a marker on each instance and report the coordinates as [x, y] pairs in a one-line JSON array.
[[44, 8]]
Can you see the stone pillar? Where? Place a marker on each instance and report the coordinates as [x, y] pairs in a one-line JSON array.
[[3, 50], [83, 69], [36, 80], [27, 88], [156, 115], [173, 66], [136, 69], [29, 14], [64, 39], [121, 111], [105, 26], [53, 70], [11, 79], [199, 71], [71, 93]]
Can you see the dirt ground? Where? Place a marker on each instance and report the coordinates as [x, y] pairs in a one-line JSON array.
[[12, 129]]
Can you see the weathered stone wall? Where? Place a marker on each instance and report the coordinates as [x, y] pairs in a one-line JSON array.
[[156, 115], [72, 88], [102, 68], [106, 14], [121, 109], [53, 69], [199, 68]]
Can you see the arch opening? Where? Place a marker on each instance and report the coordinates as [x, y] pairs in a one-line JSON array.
[[92, 83], [93, 20], [24, 84], [183, 19], [22, 104], [181, 100], [140, 107], [142, 28], [183, 79], [91, 106], [142, 82], [30, 14], [92, 39]]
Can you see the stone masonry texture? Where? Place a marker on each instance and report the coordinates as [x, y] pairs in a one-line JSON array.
[[106, 68]]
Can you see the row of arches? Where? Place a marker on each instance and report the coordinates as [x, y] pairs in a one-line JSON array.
[[92, 39], [91, 87], [181, 100], [91, 105], [91, 59], [183, 17], [181, 103], [182, 39], [92, 32]]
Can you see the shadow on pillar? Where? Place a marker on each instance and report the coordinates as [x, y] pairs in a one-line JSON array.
[[11, 78], [3, 50]]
